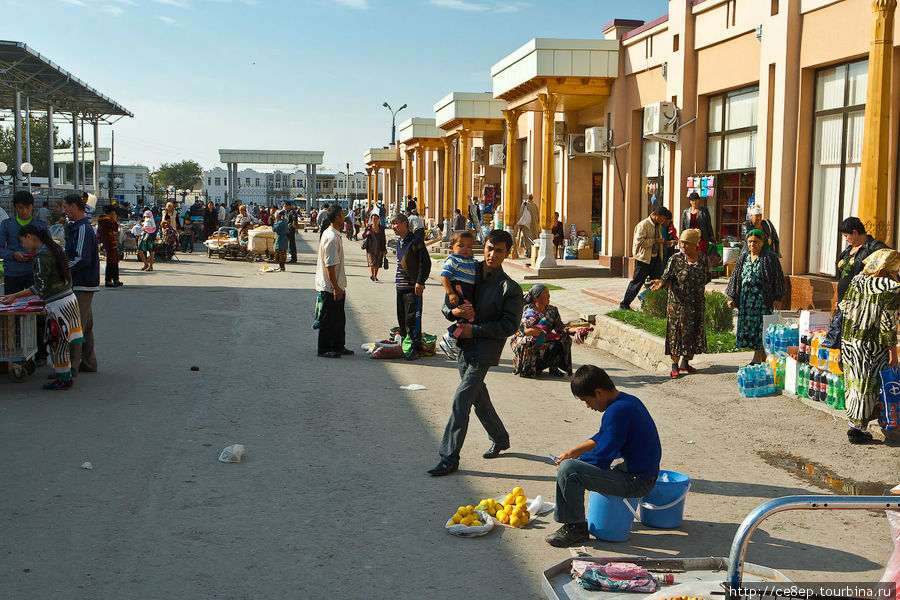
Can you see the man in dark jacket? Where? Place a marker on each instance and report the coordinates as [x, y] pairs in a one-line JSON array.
[[413, 268], [850, 264], [84, 263], [496, 316]]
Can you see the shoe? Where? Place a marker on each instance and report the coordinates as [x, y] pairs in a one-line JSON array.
[[111, 285], [443, 468], [556, 372], [119, 284], [623, 307], [495, 450], [413, 355], [293, 262], [58, 384], [674, 374], [570, 534], [329, 354], [857, 436], [346, 352], [84, 369], [372, 277], [40, 361], [687, 369], [448, 350]]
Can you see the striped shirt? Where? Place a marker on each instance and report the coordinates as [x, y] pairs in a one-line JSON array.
[[459, 268]]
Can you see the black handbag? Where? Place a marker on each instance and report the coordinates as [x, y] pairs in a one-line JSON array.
[[365, 244], [386, 264]]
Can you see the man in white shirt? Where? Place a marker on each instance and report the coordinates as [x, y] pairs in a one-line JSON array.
[[331, 283]]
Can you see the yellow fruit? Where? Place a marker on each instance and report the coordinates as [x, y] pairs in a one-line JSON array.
[[520, 499], [457, 518], [517, 491], [525, 519], [502, 516], [467, 520], [509, 498], [515, 521], [477, 523], [470, 508], [462, 510]]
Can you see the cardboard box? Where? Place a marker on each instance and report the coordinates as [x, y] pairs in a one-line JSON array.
[[812, 320], [790, 375], [586, 253]]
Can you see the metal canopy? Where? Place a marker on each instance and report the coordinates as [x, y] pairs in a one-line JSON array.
[[272, 157], [44, 82]]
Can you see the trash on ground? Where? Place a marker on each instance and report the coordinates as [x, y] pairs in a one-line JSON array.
[[87, 465], [195, 368], [232, 454], [269, 269], [413, 387]]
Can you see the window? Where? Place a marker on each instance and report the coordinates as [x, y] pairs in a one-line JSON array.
[[218, 181], [836, 158], [774, 10], [675, 41], [654, 157], [257, 182], [209, 181], [247, 181], [731, 138]]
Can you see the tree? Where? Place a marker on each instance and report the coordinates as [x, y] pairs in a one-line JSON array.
[[39, 143], [184, 175]]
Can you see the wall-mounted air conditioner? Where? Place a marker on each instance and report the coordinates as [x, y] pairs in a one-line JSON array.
[[596, 140], [497, 155], [576, 145], [477, 154], [661, 121]]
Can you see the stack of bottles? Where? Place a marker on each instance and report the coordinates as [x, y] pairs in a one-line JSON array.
[[756, 380], [777, 364], [819, 375], [778, 338]]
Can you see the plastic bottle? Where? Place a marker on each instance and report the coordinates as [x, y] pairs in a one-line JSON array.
[[771, 376], [742, 383], [822, 395], [839, 393], [829, 394], [780, 373], [767, 339], [811, 384], [814, 351], [801, 371]]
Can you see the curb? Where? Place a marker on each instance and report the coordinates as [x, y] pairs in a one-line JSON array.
[[635, 345]]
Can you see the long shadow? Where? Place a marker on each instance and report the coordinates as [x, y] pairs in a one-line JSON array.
[[742, 489]]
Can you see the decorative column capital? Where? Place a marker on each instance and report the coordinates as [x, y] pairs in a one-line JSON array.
[[419, 152], [447, 141], [464, 134], [550, 101], [511, 116], [879, 5]]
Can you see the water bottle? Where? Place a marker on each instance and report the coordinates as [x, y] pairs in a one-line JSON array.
[[742, 382], [839, 393], [773, 379], [753, 382], [780, 374]]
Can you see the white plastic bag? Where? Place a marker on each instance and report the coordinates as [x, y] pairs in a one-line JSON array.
[[413, 387], [466, 531], [232, 454]]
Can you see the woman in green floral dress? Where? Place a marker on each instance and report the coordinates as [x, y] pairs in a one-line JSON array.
[[686, 276], [755, 288]]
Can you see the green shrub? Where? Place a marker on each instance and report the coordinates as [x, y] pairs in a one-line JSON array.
[[655, 302], [719, 317]]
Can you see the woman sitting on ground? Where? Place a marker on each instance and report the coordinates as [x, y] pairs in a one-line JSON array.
[[755, 289], [542, 341], [686, 276]]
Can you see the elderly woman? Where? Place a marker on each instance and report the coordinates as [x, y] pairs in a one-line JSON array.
[[147, 243], [697, 217], [171, 215], [243, 221], [755, 288], [869, 337], [375, 245], [686, 276], [755, 221], [542, 341]]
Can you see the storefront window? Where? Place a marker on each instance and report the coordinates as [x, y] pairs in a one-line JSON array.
[[836, 158], [653, 169]]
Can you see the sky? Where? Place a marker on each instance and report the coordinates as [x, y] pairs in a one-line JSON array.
[[200, 75]]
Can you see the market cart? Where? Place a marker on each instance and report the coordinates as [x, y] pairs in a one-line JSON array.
[[222, 237], [720, 577], [18, 339]]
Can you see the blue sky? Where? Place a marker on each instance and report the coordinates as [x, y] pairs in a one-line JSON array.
[[304, 74]]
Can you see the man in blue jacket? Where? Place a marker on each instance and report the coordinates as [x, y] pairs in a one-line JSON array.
[[84, 263], [17, 274]]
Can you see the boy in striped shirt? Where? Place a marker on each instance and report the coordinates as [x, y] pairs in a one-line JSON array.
[[458, 279]]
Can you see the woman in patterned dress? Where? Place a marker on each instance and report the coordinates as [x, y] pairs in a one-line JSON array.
[[542, 341], [686, 276], [869, 337], [755, 288]]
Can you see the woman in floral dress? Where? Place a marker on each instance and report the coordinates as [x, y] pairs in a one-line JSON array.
[[686, 276], [542, 341], [755, 288], [870, 309]]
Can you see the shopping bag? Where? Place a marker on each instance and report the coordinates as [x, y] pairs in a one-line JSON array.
[[889, 398], [318, 310]]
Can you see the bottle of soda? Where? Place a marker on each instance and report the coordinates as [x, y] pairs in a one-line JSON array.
[[811, 386], [829, 397], [801, 379], [839, 393], [801, 350], [823, 386]]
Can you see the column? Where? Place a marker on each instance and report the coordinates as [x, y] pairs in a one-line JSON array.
[[75, 143], [408, 179], [448, 185], [95, 168], [51, 143], [420, 180], [511, 197], [873, 189], [368, 187], [17, 137], [546, 256], [313, 191], [375, 170], [463, 189]]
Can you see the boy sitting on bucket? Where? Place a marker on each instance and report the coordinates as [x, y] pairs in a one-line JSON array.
[[627, 431]]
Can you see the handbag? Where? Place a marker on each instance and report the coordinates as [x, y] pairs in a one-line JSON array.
[[386, 263], [365, 244], [715, 260], [317, 311], [889, 398]]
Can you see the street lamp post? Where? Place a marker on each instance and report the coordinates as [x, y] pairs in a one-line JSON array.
[[19, 175], [393, 121]]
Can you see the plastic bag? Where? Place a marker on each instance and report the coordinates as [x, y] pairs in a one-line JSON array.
[[387, 351], [232, 454], [892, 572], [466, 531], [889, 398], [429, 342], [318, 310]]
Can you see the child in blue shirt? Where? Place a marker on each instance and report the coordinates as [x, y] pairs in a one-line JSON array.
[[458, 279], [280, 227], [627, 432]]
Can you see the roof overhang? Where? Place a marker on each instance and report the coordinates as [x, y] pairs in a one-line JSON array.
[[579, 72], [419, 132], [272, 157], [63, 156], [381, 158], [478, 112], [46, 83]]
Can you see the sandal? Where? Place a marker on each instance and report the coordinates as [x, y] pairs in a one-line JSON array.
[[674, 374], [687, 369]]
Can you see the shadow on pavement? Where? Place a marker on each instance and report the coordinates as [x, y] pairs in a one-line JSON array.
[[750, 490]]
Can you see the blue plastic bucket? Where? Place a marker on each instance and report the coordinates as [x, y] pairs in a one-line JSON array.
[[663, 507], [609, 517]]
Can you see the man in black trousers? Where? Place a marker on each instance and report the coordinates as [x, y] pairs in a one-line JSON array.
[[291, 216], [647, 250], [413, 268], [331, 283]]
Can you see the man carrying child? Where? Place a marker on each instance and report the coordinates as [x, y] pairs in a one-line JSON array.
[[458, 279], [627, 432]]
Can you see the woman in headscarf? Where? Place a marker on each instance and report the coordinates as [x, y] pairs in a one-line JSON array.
[[147, 243], [171, 215], [755, 288], [542, 341], [685, 276], [755, 221], [210, 220], [869, 337]]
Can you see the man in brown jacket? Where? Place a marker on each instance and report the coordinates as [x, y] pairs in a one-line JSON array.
[[647, 250]]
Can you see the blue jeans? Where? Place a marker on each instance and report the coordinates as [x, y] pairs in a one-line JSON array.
[[471, 392], [576, 476]]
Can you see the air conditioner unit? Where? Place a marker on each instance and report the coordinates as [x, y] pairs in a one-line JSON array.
[[576, 145], [661, 121], [477, 154], [559, 133], [498, 155], [596, 140]]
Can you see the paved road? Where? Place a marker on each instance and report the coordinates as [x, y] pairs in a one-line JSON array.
[[331, 500]]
